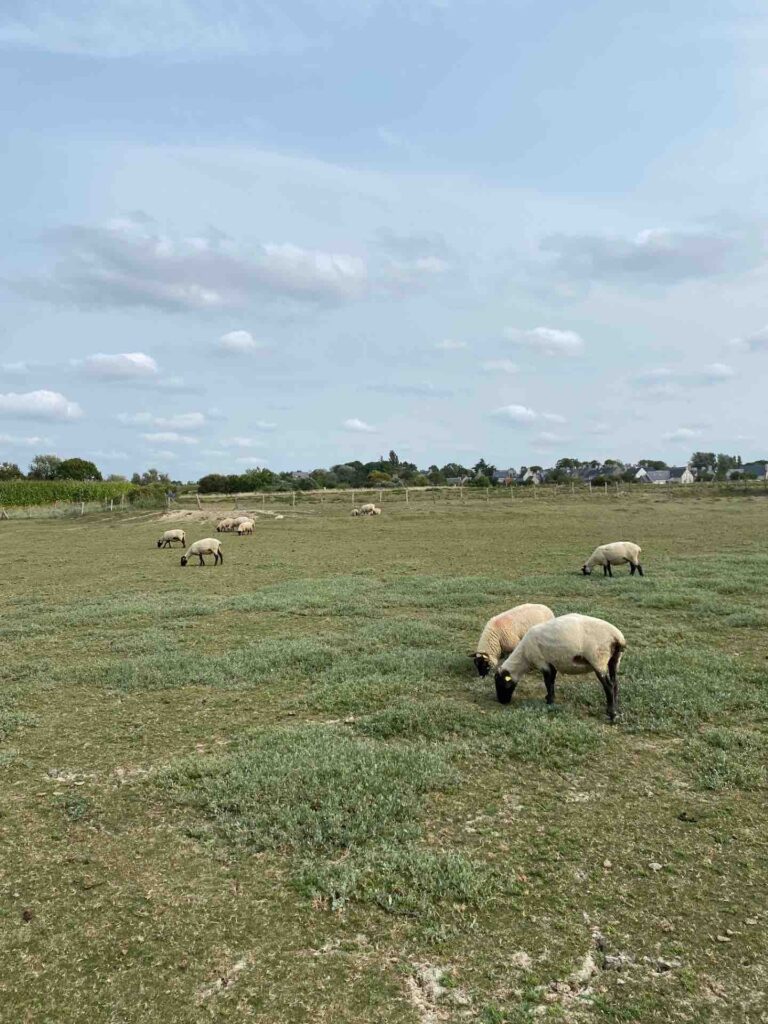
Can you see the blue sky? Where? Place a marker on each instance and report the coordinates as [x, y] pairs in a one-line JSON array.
[[289, 234]]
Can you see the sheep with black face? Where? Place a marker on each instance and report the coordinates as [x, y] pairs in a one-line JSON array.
[[617, 553], [207, 546], [502, 633]]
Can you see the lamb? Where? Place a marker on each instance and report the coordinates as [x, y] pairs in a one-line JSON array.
[[572, 644], [166, 541], [246, 527], [614, 554], [207, 546], [356, 512], [503, 633], [225, 525], [367, 509]]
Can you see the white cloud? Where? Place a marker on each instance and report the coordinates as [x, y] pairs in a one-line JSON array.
[[500, 366], [717, 371], [682, 434], [553, 417], [257, 461], [598, 429], [665, 382], [546, 439], [39, 405], [20, 367], [658, 255], [23, 442], [237, 343], [242, 442], [161, 453], [548, 340], [515, 414], [358, 426], [180, 421], [129, 263], [449, 345], [169, 437], [121, 366], [755, 342]]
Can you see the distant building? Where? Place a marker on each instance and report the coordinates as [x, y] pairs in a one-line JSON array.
[[756, 470], [505, 476], [529, 476], [673, 475]]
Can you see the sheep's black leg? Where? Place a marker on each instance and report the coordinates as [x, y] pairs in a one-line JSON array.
[[610, 570], [632, 568], [640, 568], [549, 673], [611, 691], [201, 562], [605, 570], [221, 558]]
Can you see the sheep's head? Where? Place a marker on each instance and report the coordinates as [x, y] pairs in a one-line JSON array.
[[586, 569], [183, 559], [505, 686], [160, 543], [482, 664]]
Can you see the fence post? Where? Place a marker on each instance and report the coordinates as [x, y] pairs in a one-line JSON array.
[[406, 495], [605, 485], [293, 498], [353, 498], [82, 508], [111, 504], [381, 496], [197, 498]]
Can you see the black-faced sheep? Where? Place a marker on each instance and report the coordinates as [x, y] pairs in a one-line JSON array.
[[166, 541], [503, 633], [618, 553], [571, 644], [207, 546]]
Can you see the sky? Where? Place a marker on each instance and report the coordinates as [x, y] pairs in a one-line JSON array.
[[243, 232]]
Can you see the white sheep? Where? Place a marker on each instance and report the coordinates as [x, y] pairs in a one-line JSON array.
[[367, 509], [225, 525], [246, 527], [572, 644], [166, 541], [618, 553], [240, 519], [503, 633], [356, 512], [207, 546]]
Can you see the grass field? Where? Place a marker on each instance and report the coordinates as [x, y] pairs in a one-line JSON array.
[[275, 791]]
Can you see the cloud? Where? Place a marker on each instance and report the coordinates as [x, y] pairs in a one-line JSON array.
[[425, 390], [548, 340], [39, 405], [756, 342], [515, 414], [181, 421], [169, 437], [20, 367], [257, 461], [500, 366], [598, 429], [523, 415], [241, 442], [237, 343], [23, 442], [129, 264], [682, 434], [121, 366], [665, 382], [358, 426], [449, 345], [656, 255], [546, 439]]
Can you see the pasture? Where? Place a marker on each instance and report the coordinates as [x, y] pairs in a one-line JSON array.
[[276, 791]]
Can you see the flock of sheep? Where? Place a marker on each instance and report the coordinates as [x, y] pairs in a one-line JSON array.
[[530, 636], [527, 637]]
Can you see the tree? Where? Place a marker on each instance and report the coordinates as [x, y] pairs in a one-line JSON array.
[[652, 464], [10, 471], [377, 477], [44, 467], [725, 463], [77, 469], [705, 463], [558, 475], [393, 459], [483, 468], [479, 480], [152, 476], [117, 478], [568, 464]]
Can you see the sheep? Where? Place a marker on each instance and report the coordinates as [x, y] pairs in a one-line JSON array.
[[503, 633], [207, 546], [224, 525], [367, 509], [240, 519], [166, 541], [375, 511], [356, 512], [246, 527], [572, 644], [614, 554]]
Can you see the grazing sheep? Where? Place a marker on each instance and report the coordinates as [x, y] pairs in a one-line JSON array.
[[166, 541], [614, 554], [244, 528], [356, 512], [240, 519], [572, 644], [375, 511], [367, 509], [225, 525], [207, 546], [503, 633]]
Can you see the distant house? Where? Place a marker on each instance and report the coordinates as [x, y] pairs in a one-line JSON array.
[[505, 476], [756, 470], [457, 481], [529, 476], [673, 475]]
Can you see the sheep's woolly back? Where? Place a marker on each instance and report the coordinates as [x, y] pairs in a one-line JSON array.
[[367, 508], [241, 519], [174, 535], [246, 527], [225, 524], [617, 553], [571, 643], [503, 632]]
